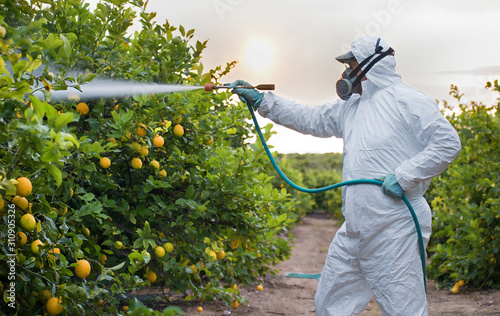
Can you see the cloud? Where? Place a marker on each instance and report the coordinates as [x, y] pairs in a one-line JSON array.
[[479, 71]]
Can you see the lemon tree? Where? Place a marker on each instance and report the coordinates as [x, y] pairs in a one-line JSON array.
[[465, 245], [111, 180]]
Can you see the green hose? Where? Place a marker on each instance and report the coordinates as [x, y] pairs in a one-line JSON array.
[[334, 186]]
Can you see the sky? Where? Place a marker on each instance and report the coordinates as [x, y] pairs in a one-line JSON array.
[[293, 45]]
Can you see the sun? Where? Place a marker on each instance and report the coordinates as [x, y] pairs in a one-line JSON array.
[[259, 54]]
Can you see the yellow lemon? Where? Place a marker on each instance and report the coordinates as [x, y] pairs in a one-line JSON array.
[[158, 141], [52, 252], [102, 259], [3, 31], [136, 146], [208, 140], [82, 108], [20, 202], [21, 238], [54, 306], [159, 251], [455, 289], [144, 151], [63, 211], [168, 247], [212, 256], [236, 304], [125, 309], [155, 164], [82, 270], [136, 163], [23, 186], [178, 130], [162, 173], [235, 286], [177, 119], [35, 246], [118, 245], [105, 162], [199, 309], [151, 276], [260, 288], [234, 243], [28, 222], [161, 235], [141, 130], [221, 255]]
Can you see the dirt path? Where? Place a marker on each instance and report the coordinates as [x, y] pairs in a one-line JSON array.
[[294, 296]]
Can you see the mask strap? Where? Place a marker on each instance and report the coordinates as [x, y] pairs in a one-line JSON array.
[[390, 51]]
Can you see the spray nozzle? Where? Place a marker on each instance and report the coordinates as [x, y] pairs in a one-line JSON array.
[[267, 86]]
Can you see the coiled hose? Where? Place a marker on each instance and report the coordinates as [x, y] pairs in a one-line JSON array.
[[334, 186]]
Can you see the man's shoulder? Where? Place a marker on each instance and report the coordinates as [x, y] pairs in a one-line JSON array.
[[407, 94]]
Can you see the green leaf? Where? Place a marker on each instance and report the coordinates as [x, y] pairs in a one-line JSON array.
[[56, 173], [63, 120]]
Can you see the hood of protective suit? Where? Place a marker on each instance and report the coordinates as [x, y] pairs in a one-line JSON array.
[[383, 73]]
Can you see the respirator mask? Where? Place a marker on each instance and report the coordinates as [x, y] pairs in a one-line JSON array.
[[350, 82]]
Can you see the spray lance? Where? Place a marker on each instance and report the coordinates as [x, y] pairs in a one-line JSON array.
[[210, 87]]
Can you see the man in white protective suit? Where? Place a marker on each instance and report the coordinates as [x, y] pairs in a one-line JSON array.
[[391, 132]]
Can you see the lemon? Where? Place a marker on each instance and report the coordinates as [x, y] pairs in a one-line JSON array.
[[199, 309], [82, 108], [161, 235], [212, 256], [35, 246], [260, 288], [45, 296], [20, 202], [136, 163], [158, 141], [28, 222], [125, 309], [168, 247], [235, 286], [3, 31], [54, 251], [221, 255], [144, 151], [21, 238], [194, 268], [82, 270], [234, 243], [136, 146], [23, 186], [118, 245], [177, 119], [160, 251], [102, 259], [141, 130], [236, 304], [63, 211], [105, 162], [151, 276], [155, 164], [208, 140], [100, 302], [54, 306], [455, 289], [162, 173], [178, 130], [85, 232]]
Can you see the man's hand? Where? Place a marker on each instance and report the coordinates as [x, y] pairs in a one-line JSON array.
[[392, 188], [249, 96]]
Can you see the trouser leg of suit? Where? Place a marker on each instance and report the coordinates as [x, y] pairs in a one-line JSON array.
[[342, 288]]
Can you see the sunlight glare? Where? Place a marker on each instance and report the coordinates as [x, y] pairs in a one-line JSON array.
[[259, 55]]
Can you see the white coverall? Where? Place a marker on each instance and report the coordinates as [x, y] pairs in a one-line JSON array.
[[389, 128]]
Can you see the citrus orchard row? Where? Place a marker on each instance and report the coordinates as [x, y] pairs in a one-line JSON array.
[[114, 195]]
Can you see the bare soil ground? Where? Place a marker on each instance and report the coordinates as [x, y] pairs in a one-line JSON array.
[[295, 296]]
